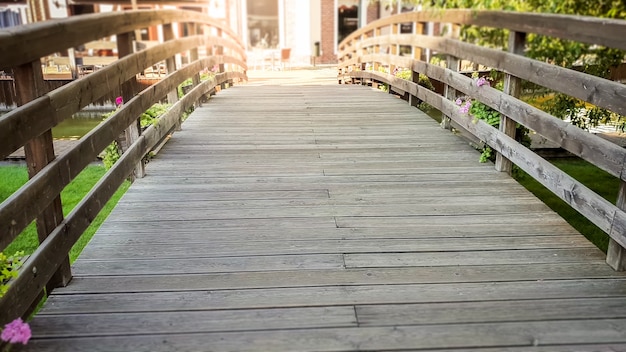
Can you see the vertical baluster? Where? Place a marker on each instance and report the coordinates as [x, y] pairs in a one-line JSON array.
[[193, 56], [129, 89], [39, 152], [376, 64], [513, 87], [170, 62], [394, 50], [616, 254], [418, 28], [220, 51], [359, 52], [452, 63]]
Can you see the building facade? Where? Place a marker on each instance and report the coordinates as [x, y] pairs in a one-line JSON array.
[[311, 29]]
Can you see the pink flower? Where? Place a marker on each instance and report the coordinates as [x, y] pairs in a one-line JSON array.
[[464, 109], [458, 101], [119, 101], [16, 331], [482, 81]]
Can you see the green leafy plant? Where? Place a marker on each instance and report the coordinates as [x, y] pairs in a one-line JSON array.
[[480, 111], [151, 116], [111, 155], [591, 59], [423, 81], [112, 152], [8, 269]]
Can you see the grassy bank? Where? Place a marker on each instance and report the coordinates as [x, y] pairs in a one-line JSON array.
[[13, 177], [597, 180]]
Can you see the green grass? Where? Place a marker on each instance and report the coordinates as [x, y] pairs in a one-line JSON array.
[[13, 177], [597, 180]]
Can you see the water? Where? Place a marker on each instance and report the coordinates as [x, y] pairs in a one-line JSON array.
[[75, 128]]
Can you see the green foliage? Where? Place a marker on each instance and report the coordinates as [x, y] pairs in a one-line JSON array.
[[486, 155], [186, 83], [492, 117], [111, 155], [591, 59], [8, 269], [113, 152], [73, 193], [485, 113], [151, 116], [423, 81], [186, 114]]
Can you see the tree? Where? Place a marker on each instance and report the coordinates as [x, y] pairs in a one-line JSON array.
[[591, 59]]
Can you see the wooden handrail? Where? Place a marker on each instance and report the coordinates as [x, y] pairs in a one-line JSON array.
[[362, 49], [42, 111], [584, 29], [45, 38]]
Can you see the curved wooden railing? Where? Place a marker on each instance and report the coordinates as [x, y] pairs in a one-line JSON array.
[[30, 124], [365, 51]]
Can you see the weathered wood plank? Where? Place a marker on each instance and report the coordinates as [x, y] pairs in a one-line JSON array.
[[333, 295], [459, 220], [214, 248], [157, 234], [533, 256], [552, 348], [179, 266], [493, 311], [153, 276], [193, 322], [77, 30], [500, 335]]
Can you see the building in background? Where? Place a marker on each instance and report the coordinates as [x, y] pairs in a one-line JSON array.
[[306, 27], [309, 29], [13, 13]]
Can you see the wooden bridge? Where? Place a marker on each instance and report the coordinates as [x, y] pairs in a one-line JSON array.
[[308, 215]]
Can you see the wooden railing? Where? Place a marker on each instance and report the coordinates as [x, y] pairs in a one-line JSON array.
[[363, 53], [30, 124]]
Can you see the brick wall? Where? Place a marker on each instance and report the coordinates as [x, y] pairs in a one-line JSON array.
[[328, 32]]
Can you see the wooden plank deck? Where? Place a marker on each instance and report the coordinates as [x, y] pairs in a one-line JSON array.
[[331, 218]]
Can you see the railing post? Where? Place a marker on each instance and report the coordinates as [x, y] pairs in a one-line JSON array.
[[220, 51], [393, 51], [513, 87], [616, 254], [193, 56], [39, 153], [376, 64], [418, 28], [170, 62], [363, 65], [129, 89], [454, 64]]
